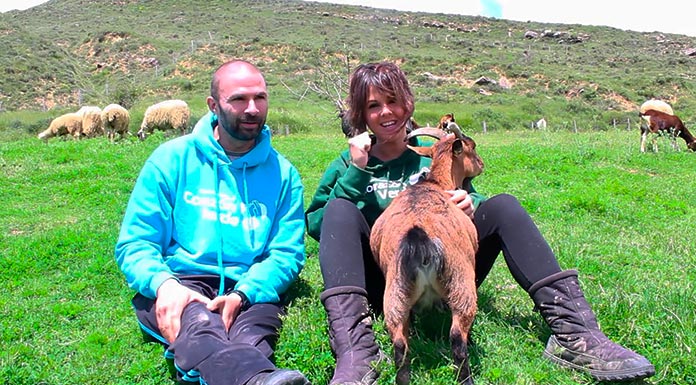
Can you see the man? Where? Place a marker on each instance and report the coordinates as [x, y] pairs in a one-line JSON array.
[[213, 236]]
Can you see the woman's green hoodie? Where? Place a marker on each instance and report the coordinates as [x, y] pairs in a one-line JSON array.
[[371, 189]]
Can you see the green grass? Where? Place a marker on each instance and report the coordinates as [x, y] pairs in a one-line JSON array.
[[623, 218]]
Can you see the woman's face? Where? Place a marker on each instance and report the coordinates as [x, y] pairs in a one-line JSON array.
[[385, 116]]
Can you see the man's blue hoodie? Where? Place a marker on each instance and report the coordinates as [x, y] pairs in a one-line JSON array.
[[193, 211]]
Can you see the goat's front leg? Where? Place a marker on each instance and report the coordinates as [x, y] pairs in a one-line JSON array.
[[673, 139]]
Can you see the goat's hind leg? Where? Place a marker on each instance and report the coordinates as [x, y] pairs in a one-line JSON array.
[[397, 311], [643, 137], [460, 350], [463, 305]]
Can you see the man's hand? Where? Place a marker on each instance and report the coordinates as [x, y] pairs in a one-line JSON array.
[[172, 298], [228, 306], [463, 201]]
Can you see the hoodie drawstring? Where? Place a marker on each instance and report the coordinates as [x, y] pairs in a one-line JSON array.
[[246, 202], [218, 227]]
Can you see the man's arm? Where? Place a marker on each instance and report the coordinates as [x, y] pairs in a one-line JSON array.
[[145, 232]]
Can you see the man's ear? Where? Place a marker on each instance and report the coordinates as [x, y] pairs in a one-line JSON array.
[[422, 151], [211, 103]]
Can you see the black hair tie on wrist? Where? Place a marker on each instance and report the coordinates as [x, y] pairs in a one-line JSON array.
[[245, 299]]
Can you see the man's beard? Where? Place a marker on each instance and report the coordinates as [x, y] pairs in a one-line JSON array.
[[232, 127]]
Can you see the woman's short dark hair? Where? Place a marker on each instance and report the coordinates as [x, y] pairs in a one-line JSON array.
[[386, 77]]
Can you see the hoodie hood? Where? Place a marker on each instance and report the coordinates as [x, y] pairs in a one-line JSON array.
[[212, 150]]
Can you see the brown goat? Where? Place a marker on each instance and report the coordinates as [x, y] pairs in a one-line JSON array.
[[426, 247], [658, 122]]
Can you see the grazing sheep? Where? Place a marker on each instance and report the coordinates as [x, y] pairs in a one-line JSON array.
[[167, 115], [115, 120], [658, 122], [67, 124], [540, 124], [91, 121], [426, 248], [657, 105]]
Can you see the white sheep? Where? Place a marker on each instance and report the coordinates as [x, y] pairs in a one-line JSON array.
[[115, 119], [646, 127], [66, 124], [91, 121], [167, 115], [657, 105]]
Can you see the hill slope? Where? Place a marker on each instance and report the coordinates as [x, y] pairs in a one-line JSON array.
[[65, 53]]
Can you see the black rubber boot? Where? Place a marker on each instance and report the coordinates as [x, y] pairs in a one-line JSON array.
[[576, 341], [279, 377], [350, 335]]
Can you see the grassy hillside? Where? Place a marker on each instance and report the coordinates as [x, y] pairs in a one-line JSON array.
[[622, 218], [67, 53]]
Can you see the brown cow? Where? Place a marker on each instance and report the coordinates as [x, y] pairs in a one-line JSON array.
[[658, 122]]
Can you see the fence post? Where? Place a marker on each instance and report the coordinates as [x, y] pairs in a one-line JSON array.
[[485, 129]]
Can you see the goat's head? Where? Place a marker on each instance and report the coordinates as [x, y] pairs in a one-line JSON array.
[[445, 121], [455, 152], [342, 113]]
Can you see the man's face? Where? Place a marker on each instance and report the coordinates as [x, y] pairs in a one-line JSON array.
[[242, 105]]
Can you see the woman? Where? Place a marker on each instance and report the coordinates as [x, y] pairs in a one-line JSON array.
[[359, 185]]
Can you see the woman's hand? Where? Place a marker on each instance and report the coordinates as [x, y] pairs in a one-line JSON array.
[[463, 201], [359, 147]]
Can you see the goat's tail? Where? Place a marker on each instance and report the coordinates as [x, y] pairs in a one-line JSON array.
[[420, 252]]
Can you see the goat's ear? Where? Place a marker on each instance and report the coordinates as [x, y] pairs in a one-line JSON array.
[[422, 151], [457, 147]]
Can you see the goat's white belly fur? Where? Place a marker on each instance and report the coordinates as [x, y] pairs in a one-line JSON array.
[[427, 289]]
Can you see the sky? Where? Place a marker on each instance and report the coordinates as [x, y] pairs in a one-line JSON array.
[[670, 17]]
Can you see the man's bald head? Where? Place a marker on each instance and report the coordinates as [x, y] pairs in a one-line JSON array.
[[233, 67]]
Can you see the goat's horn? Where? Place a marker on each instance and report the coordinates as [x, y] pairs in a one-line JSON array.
[[454, 127], [427, 131]]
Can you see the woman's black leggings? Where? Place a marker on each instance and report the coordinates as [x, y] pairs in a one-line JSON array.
[[502, 224]]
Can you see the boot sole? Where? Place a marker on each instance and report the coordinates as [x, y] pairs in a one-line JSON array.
[[614, 375]]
